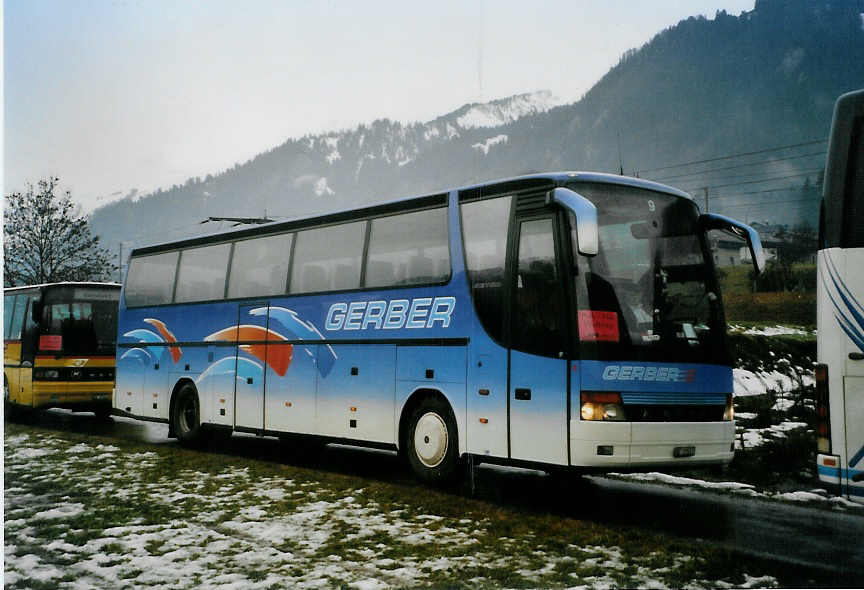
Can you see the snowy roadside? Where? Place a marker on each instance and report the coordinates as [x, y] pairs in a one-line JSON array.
[[81, 513], [815, 496]]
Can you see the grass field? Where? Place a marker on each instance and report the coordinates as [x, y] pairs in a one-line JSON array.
[[84, 511], [796, 308]]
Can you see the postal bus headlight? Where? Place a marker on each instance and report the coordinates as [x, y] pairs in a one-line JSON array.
[[602, 405], [46, 374]]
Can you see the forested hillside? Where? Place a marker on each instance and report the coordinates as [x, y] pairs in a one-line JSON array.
[[702, 89]]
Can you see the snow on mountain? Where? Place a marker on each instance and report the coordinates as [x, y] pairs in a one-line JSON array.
[[506, 110], [321, 187], [487, 145]]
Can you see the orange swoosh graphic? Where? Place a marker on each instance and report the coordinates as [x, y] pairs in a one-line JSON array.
[[277, 358], [175, 351]]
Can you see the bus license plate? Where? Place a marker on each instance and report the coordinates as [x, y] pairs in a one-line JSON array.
[[681, 452]]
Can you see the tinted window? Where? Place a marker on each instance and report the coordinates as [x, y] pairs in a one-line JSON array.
[[484, 226], [647, 295], [202, 273], [84, 327], [8, 304], [408, 249], [328, 258], [150, 280], [259, 267], [538, 316], [854, 185], [17, 322]]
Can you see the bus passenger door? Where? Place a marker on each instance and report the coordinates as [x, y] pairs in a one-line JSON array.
[[251, 367], [538, 336]]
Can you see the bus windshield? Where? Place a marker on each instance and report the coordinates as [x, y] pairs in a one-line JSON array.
[[649, 293], [79, 323]]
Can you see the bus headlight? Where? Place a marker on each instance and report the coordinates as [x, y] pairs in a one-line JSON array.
[[602, 405]]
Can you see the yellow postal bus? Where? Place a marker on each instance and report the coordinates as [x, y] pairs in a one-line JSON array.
[[58, 346]]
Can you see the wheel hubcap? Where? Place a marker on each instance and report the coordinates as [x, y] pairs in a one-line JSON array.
[[187, 415], [430, 439]]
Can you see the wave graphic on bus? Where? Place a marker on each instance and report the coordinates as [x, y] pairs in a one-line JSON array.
[[244, 368], [277, 358], [150, 337], [176, 353], [853, 329], [137, 353], [301, 330]]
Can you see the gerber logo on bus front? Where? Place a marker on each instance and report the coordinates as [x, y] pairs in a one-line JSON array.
[[643, 373], [420, 312]]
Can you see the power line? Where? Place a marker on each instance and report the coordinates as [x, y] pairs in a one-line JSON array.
[[808, 173], [770, 190], [767, 203], [769, 161], [754, 177], [731, 156]]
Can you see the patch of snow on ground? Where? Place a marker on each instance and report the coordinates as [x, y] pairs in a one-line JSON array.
[[754, 437], [232, 527], [811, 497], [62, 511], [30, 453], [684, 481], [777, 330], [749, 383]]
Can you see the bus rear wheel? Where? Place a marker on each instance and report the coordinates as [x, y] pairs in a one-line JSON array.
[[432, 444], [186, 415]]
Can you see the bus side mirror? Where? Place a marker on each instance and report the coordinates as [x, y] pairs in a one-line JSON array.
[[587, 234], [709, 221]]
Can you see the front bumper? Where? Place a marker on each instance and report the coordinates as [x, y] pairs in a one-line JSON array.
[[643, 444]]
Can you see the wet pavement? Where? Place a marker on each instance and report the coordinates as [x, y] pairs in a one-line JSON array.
[[827, 546]]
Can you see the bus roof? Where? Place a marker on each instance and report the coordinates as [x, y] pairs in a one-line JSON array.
[[433, 199], [63, 284]]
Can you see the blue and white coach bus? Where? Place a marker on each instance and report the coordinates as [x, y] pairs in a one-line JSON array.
[[840, 305], [553, 320]]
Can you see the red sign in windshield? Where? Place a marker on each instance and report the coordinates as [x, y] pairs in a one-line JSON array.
[[598, 326], [50, 342]]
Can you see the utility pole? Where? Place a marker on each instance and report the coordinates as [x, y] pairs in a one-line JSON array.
[[620, 159], [707, 210]]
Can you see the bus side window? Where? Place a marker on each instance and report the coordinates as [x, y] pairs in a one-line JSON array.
[[415, 242], [484, 227], [538, 318], [202, 273], [260, 266], [30, 335], [328, 258], [17, 323], [8, 308], [853, 199], [150, 279]]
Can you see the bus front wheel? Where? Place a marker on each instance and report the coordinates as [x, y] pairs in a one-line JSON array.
[[186, 415], [432, 442]]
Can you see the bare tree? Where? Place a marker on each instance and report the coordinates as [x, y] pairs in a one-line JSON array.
[[45, 240]]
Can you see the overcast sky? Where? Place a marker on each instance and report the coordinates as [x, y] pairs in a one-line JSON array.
[[115, 95]]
